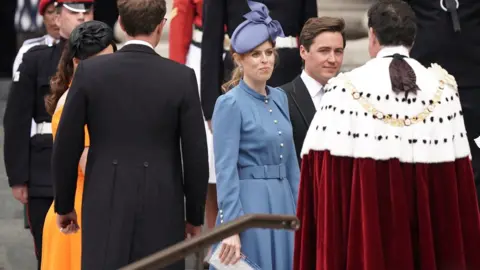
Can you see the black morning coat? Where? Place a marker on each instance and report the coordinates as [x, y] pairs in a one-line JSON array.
[[302, 110], [292, 15], [143, 114]]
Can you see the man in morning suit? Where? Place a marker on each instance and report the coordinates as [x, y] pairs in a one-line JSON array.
[[144, 118], [322, 42]]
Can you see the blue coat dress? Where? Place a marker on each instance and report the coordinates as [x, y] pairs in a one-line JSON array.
[[257, 169]]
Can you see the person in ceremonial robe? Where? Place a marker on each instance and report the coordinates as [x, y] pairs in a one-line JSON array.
[[322, 43], [147, 160], [27, 144], [89, 39], [225, 16], [185, 43], [255, 160], [386, 177]]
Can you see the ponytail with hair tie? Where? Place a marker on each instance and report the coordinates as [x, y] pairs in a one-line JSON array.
[[402, 76]]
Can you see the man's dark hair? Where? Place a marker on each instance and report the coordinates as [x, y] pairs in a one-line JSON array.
[[141, 17], [315, 26], [394, 24]]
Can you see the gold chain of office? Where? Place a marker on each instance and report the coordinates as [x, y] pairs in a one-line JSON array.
[[387, 118]]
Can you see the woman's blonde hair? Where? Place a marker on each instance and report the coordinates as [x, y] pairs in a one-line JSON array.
[[237, 73]]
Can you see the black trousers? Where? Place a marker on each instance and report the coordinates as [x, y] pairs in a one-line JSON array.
[[37, 208], [470, 98]]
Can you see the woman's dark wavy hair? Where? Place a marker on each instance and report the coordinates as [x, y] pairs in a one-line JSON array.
[[394, 24], [86, 40]]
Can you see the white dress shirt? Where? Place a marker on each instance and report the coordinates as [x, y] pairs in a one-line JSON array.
[[314, 88], [138, 42]]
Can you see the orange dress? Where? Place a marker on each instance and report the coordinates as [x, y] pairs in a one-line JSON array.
[[60, 251]]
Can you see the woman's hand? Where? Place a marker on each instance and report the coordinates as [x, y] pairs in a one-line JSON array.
[[230, 252]]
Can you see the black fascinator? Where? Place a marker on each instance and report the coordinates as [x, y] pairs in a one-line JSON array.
[[90, 38]]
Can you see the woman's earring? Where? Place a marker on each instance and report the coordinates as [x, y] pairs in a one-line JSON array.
[[240, 67]]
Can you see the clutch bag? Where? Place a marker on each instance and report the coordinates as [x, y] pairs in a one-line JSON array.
[[242, 264]]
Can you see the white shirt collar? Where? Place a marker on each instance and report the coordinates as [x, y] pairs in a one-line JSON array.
[[313, 86], [386, 51], [138, 42], [49, 40]]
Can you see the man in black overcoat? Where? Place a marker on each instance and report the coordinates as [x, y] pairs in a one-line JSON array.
[[144, 116], [449, 35]]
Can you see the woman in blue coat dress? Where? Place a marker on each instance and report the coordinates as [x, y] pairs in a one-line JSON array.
[[255, 162]]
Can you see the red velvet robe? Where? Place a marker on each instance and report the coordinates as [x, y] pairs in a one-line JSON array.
[[377, 197]]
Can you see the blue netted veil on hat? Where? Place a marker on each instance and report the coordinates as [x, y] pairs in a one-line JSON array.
[[256, 29]]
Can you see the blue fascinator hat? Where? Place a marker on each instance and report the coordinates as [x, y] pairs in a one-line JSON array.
[[258, 28]]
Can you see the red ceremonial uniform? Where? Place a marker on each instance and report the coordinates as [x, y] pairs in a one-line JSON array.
[[185, 14], [386, 180]]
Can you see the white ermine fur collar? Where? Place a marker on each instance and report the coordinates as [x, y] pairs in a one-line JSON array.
[[346, 126]]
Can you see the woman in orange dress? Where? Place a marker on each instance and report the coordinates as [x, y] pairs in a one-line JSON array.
[[62, 251]]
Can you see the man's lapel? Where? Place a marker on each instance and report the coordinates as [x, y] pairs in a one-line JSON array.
[[303, 100]]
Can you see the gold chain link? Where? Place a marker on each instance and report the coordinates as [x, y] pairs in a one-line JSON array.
[[387, 118]]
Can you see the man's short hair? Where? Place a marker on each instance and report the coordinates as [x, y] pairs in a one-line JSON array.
[[141, 17], [316, 26], [393, 22]]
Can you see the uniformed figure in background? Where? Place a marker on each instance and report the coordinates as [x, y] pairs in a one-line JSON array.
[[185, 41], [46, 8], [185, 36], [448, 34], [27, 157], [217, 13]]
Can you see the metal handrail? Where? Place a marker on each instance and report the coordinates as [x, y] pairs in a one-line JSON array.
[[181, 250]]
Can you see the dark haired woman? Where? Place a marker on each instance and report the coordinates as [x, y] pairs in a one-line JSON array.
[[62, 249], [386, 179], [255, 159]]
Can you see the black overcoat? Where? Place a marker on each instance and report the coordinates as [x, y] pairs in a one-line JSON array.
[[143, 114]]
